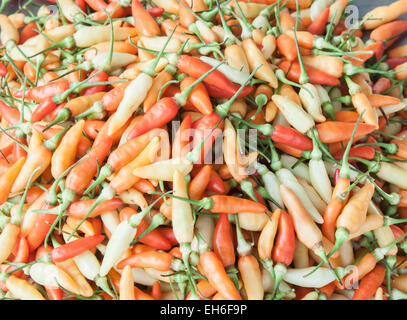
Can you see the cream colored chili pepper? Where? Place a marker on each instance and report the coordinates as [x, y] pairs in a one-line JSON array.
[[318, 279], [70, 267], [206, 227], [317, 7], [119, 60], [157, 43], [255, 58], [48, 274], [134, 95], [250, 9], [164, 170], [89, 36], [110, 220], [232, 73], [313, 196], [294, 114], [301, 170], [119, 242], [8, 30], [252, 222], [86, 262], [384, 236], [70, 10], [301, 257], [288, 179], [393, 174], [346, 254], [182, 218], [311, 103]]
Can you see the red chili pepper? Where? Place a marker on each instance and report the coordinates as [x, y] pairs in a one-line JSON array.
[[29, 31], [223, 241], [168, 233], [196, 68], [52, 116], [101, 77], [158, 115], [45, 107], [394, 62], [290, 136], [3, 70], [156, 12], [154, 238], [115, 11], [293, 73], [81, 4], [364, 152], [381, 85], [216, 183], [397, 232], [285, 242], [74, 248]]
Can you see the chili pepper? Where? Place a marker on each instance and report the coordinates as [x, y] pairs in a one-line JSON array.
[[293, 72], [79, 208], [318, 24], [284, 248], [21, 289], [215, 183], [196, 68], [335, 131], [144, 22], [99, 77], [369, 283], [38, 159], [215, 272], [388, 31], [40, 93], [307, 231]]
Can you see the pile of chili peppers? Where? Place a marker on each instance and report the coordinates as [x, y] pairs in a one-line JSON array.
[[205, 149]]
